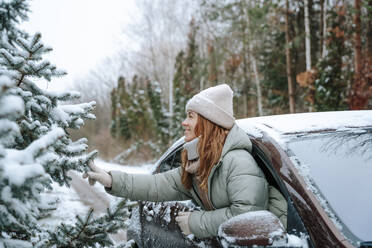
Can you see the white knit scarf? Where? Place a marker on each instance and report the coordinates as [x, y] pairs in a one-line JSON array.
[[192, 156]]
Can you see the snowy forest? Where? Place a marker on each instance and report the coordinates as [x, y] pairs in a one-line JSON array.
[[280, 56]]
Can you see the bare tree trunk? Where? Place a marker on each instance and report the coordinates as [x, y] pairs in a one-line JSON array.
[[245, 105], [212, 68], [321, 39], [201, 83], [254, 67], [357, 40], [245, 68], [256, 80], [369, 41], [171, 72], [288, 60], [307, 36], [358, 96], [368, 60], [324, 27]]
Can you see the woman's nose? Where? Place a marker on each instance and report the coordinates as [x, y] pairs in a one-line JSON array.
[[184, 123]]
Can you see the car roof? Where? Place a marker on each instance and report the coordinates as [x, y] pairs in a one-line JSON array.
[[279, 125]]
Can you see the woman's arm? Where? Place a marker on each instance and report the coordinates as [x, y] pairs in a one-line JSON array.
[[165, 186]]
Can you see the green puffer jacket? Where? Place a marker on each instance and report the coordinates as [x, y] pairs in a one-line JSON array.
[[236, 185]]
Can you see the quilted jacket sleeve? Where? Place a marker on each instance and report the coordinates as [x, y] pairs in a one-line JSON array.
[[278, 205], [165, 186]]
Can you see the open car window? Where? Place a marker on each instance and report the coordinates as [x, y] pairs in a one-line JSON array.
[[176, 145], [173, 160]]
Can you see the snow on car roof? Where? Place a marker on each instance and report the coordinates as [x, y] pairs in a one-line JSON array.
[[306, 122]]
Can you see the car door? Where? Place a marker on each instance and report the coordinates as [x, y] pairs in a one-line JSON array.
[[157, 220], [158, 227]]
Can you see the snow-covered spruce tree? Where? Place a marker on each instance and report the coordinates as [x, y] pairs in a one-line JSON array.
[[334, 71], [44, 121], [43, 111], [179, 99], [159, 114], [11, 14], [35, 147], [139, 118], [120, 103], [186, 82], [90, 232], [22, 177]]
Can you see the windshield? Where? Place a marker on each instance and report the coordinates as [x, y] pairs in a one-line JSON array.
[[339, 167]]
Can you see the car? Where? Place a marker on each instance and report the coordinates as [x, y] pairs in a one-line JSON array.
[[321, 162]]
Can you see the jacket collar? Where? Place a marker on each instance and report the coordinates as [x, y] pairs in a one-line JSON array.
[[236, 139]]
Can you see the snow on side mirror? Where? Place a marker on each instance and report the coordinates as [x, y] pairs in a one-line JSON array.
[[252, 228]]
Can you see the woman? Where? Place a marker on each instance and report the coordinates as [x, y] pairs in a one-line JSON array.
[[217, 172]]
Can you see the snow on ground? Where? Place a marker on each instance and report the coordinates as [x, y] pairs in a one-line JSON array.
[[142, 169], [69, 206]]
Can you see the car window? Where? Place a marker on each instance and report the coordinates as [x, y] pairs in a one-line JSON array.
[[173, 160], [338, 170]]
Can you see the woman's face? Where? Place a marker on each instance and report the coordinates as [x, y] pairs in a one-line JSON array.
[[189, 124]]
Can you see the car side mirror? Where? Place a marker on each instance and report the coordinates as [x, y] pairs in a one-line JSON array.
[[260, 228]]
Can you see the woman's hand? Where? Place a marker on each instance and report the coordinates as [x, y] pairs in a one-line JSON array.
[[183, 222], [97, 174]]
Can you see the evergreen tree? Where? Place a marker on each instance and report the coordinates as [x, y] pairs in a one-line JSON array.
[[124, 100], [242, 24], [35, 147], [11, 14], [274, 71], [43, 111], [138, 117], [334, 70], [120, 102], [186, 82], [158, 114], [87, 231], [114, 113], [138, 113], [179, 98], [22, 176]]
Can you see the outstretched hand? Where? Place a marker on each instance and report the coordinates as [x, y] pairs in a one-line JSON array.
[[98, 174]]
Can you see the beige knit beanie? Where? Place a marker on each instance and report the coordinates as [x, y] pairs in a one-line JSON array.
[[214, 104]]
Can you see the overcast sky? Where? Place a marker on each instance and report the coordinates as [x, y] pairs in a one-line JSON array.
[[81, 32]]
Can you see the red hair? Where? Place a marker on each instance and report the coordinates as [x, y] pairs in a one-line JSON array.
[[212, 139]]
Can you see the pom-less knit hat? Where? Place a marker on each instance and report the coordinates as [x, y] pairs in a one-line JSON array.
[[215, 104]]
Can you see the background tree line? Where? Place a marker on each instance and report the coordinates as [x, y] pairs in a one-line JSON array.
[[279, 57]]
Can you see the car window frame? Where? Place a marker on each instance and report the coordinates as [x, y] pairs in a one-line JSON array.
[[295, 224], [169, 155]]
